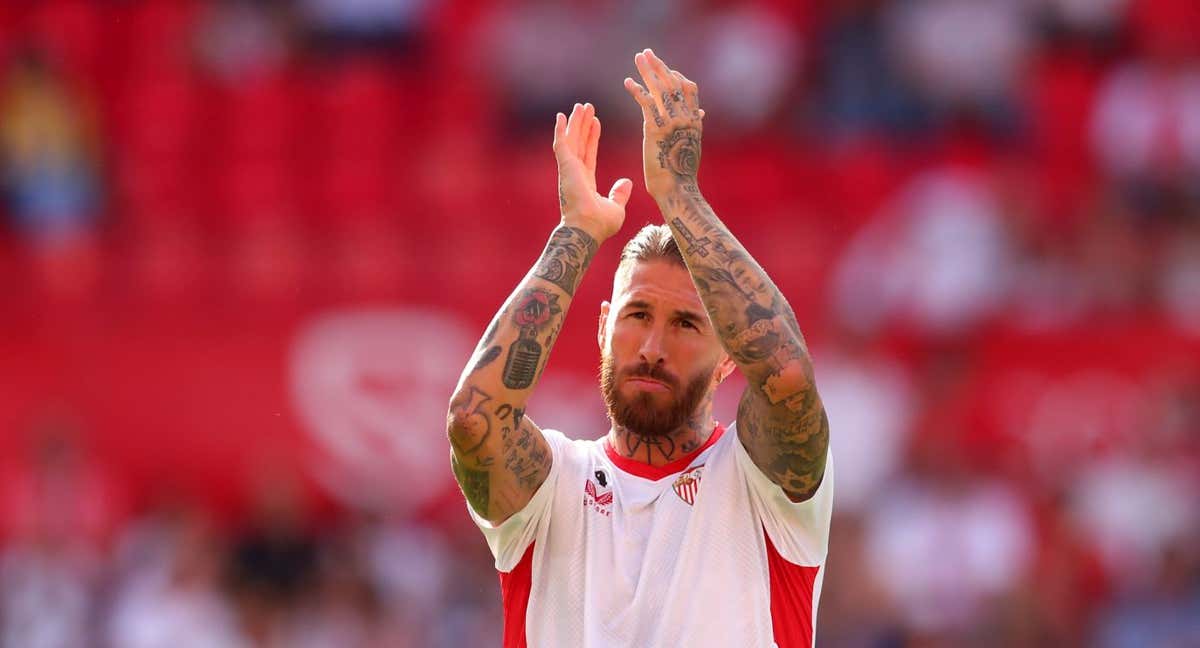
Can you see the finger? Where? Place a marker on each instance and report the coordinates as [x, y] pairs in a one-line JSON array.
[[691, 92], [573, 129], [661, 70], [650, 110], [638, 93], [593, 146], [560, 132], [586, 119], [654, 85], [620, 192]]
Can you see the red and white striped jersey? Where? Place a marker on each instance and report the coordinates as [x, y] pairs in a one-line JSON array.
[[705, 551]]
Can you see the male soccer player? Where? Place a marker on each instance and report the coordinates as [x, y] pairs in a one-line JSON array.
[[671, 530]]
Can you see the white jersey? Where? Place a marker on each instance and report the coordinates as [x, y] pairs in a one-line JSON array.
[[705, 551]]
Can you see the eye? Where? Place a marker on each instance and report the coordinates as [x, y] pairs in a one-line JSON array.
[[639, 315], [688, 324]]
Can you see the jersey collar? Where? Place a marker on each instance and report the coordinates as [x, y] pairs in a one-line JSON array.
[[654, 473]]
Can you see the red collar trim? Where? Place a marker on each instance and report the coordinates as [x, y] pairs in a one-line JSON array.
[[654, 473]]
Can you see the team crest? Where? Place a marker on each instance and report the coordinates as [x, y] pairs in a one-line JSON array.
[[688, 484], [598, 499]]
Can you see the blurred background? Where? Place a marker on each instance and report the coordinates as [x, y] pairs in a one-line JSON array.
[[247, 247]]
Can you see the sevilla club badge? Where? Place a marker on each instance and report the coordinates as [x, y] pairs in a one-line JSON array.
[[688, 484]]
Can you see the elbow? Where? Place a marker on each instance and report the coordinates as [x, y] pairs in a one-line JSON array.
[[467, 432]]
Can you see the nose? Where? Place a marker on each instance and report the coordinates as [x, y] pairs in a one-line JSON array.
[[652, 350]]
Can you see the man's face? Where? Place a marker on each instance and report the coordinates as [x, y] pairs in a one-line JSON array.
[[660, 357]]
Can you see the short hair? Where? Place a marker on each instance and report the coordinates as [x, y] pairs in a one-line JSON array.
[[651, 243]]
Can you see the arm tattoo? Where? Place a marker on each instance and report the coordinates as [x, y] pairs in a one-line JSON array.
[[500, 457], [474, 484], [567, 255], [487, 358], [781, 419], [533, 313], [679, 153]]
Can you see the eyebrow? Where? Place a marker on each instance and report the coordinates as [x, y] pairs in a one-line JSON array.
[[691, 316]]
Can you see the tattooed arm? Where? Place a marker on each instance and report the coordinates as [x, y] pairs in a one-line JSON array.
[[780, 419], [497, 453]]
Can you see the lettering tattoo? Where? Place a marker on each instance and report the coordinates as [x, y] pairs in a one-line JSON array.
[[567, 255], [668, 104]]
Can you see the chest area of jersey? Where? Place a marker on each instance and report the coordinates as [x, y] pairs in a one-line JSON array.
[[607, 492]]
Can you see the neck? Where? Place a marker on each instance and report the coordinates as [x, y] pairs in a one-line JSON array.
[[659, 450]]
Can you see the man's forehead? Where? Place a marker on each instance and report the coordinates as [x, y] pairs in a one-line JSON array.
[[656, 282]]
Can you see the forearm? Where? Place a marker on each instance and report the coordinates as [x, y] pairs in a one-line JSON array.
[[753, 319], [781, 420], [510, 357], [486, 424]]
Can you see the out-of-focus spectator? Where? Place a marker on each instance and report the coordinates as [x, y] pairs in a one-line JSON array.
[[59, 490], [242, 40], [749, 58], [513, 43], [47, 583], [936, 260], [963, 56], [1133, 509], [58, 513], [1165, 611], [944, 545], [859, 82], [1179, 277], [49, 173], [1146, 121], [276, 559], [871, 440], [171, 594], [47, 150], [393, 26], [1100, 17]]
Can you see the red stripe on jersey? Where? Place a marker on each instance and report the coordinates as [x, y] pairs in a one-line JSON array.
[[654, 473], [514, 594], [791, 599]]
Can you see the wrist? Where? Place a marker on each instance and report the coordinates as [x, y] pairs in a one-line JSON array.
[[593, 231], [677, 188]]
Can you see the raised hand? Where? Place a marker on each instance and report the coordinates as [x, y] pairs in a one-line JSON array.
[[576, 141], [671, 124]]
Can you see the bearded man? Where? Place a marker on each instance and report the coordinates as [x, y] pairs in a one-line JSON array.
[[671, 530]]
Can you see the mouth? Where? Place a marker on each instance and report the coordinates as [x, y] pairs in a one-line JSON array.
[[647, 384]]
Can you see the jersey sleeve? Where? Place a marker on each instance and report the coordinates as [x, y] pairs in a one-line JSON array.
[[509, 539], [799, 530]]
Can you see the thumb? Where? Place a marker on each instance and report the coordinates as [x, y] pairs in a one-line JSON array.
[[621, 191]]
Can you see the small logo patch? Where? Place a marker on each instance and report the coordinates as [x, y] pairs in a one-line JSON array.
[[687, 485], [598, 499]]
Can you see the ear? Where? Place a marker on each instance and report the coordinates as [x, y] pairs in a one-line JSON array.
[[602, 329], [724, 368]]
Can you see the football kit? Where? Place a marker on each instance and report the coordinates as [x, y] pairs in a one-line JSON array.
[[704, 551]]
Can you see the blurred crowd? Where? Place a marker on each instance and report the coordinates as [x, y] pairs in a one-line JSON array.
[[986, 214]]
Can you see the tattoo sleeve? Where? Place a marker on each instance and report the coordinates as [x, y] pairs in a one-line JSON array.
[[780, 419], [498, 454]]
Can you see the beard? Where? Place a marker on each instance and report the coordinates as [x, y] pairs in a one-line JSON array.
[[642, 414]]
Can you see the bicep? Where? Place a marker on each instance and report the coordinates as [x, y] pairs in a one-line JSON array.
[[788, 439]]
